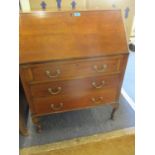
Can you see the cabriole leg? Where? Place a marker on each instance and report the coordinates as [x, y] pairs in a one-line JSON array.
[[115, 107], [36, 122]]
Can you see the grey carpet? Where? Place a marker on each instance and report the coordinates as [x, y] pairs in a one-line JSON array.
[[79, 123]]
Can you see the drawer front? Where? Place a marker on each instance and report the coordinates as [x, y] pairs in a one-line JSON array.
[[67, 103], [69, 87], [75, 68]]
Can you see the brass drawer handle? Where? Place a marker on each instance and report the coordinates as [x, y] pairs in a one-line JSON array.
[[54, 91], [57, 107], [98, 100], [48, 73], [99, 86], [100, 69]]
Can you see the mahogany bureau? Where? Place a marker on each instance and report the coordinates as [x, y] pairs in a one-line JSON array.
[[71, 60]]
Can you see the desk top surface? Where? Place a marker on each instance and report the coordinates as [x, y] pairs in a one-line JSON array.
[[46, 36]]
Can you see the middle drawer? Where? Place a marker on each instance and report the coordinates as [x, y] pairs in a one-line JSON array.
[[67, 87]]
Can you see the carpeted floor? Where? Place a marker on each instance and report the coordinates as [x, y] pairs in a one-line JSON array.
[[79, 123], [119, 142]]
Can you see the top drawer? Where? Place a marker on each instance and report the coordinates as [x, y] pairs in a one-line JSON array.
[[75, 68]]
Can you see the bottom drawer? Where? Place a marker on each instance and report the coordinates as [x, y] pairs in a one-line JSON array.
[[66, 103]]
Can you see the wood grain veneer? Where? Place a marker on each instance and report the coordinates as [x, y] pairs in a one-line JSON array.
[[70, 62]]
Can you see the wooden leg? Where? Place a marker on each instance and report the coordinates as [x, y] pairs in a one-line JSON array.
[[36, 122], [22, 120], [22, 125], [115, 107]]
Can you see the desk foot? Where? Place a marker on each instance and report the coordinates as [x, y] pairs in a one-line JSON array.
[[36, 122], [115, 107]]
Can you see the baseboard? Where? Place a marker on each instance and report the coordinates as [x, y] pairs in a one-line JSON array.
[[128, 98]]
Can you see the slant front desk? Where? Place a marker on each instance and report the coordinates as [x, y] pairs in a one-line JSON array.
[[71, 60]]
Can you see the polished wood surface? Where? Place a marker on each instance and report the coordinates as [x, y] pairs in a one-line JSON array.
[[61, 35], [56, 88], [75, 68], [71, 62], [73, 101]]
